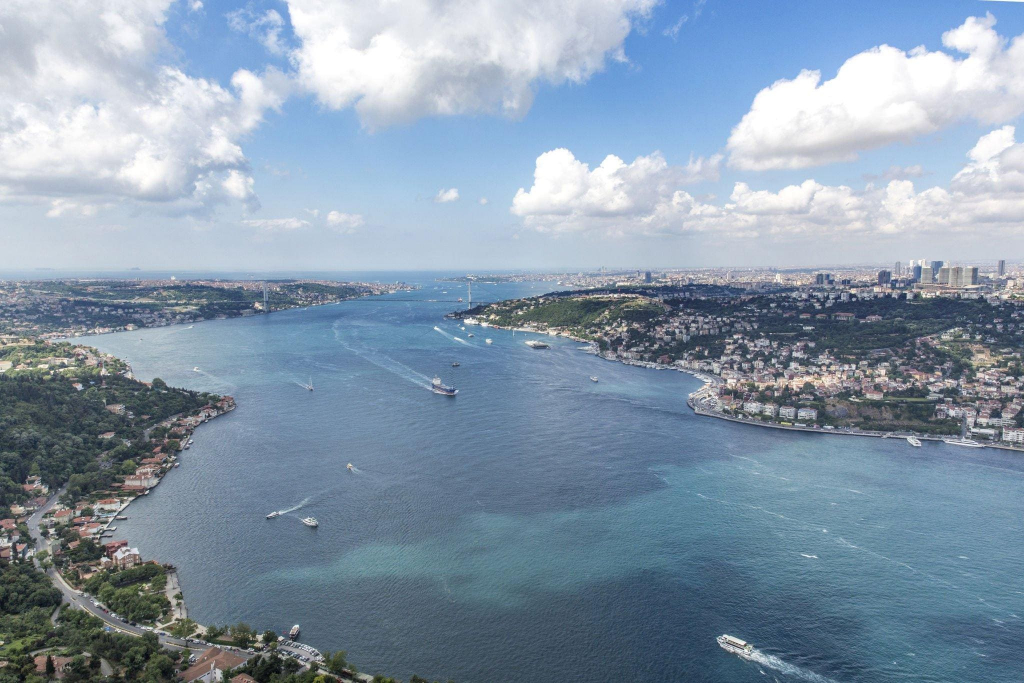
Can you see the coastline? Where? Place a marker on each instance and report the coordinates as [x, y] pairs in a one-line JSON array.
[[712, 380]]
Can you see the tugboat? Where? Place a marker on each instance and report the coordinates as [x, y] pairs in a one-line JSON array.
[[736, 646], [439, 387], [311, 522]]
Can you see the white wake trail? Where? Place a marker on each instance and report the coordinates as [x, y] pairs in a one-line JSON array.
[[451, 336], [773, 662]]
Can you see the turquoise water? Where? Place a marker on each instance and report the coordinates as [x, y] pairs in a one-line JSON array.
[[542, 527]]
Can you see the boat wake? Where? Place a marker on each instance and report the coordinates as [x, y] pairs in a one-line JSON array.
[[305, 501], [393, 366], [773, 662], [451, 336]]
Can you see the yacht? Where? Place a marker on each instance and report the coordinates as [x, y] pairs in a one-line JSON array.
[[736, 646], [275, 513], [489, 340], [294, 633], [311, 522], [349, 467], [537, 344], [593, 379], [455, 364], [439, 387], [969, 443], [195, 369], [469, 334], [914, 441]]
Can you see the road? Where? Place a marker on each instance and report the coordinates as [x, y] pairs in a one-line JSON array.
[[76, 598]]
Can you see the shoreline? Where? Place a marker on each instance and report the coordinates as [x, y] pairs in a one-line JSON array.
[[714, 380]]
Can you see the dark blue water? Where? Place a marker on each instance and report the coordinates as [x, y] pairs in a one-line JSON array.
[[541, 527]]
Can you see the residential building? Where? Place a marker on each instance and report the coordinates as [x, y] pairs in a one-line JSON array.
[[211, 665], [809, 414]]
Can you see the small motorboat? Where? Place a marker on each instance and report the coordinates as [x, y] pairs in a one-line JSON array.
[[455, 364], [593, 379], [311, 522], [489, 340], [275, 513], [349, 467]]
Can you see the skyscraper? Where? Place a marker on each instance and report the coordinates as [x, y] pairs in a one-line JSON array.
[[898, 269], [944, 275], [927, 276], [647, 276], [917, 272], [1001, 268], [884, 277], [970, 276], [936, 265], [956, 276]]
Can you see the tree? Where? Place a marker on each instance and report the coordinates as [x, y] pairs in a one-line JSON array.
[[183, 628], [335, 662], [270, 639], [242, 635], [50, 669]]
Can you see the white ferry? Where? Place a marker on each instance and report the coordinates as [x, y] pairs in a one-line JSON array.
[[968, 443], [537, 344], [311, 522], [914, 441], [736, 646], [294, 633]]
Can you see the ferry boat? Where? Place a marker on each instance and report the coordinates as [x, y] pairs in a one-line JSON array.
[[736, 646], [294, 633], [968, 443], [275, 513], [311, 522], [537, 344], [439, 387], [914, 441]]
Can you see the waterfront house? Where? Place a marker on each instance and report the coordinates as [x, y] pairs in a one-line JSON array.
[[809, 414], [787, 412], [211, 665]]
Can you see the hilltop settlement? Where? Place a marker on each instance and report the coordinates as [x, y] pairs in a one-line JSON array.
[[852, 357]]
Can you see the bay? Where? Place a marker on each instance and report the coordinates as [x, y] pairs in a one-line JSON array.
[[543, 527]]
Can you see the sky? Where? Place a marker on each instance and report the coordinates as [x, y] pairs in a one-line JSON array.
[[491, 135]]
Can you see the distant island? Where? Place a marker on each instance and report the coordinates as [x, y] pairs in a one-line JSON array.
[[851, 361]]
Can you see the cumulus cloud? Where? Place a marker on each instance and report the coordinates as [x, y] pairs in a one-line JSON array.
[[401, 60], [444, 196], [276, 224], [264, 27], [646, 198], [882, 96], [566, 192], [344, 222], [62, 207], [87, 109]]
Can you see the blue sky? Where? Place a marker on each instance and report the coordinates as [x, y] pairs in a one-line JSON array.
[[682, 96]]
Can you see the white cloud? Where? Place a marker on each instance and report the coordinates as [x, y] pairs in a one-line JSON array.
[[195, 5], [643, 198], [400, 60], [483, 201], [566, 192], [882, 96], [345, 222], [265, 28], [88, 110], [276, 224], [444, 196], [673, 30], [61, 207]]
